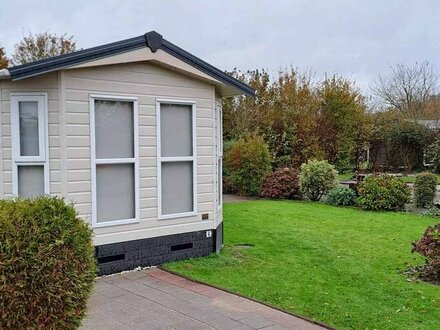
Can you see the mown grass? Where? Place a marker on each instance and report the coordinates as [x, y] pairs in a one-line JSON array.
[[340, 266]]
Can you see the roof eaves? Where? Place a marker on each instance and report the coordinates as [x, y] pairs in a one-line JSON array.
[[205, 67], [152, 39], [86, 55]]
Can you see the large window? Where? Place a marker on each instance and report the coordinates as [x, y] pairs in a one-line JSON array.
[[219, 153], [114, 160], [30, 169], [176, 159]]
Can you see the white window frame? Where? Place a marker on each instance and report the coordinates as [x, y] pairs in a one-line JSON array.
[[43, 137], [219, 154], [161, 159], [94, 161]]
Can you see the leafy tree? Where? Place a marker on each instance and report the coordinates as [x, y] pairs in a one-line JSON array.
[[247, 161], [4, 62], [40, 46], [344, 125], [433, 154], [300, 119], [406, 141]]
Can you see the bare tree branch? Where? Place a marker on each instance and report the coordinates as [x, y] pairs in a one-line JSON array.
[[411, 91]]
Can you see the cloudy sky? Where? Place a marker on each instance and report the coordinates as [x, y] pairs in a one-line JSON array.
[[356, 38]]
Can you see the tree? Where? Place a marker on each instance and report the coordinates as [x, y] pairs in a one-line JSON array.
[[410, 90], [40, 46], [4, 62], [300, 119], [344, 124], [406, 141]]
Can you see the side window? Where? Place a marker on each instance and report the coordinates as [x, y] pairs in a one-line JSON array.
[[219, 153], [30, 166]]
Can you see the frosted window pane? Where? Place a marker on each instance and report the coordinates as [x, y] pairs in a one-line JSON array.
[[177, 187], [114, 129], [29, 139], [115, 192], [30, 181], [176, 130]]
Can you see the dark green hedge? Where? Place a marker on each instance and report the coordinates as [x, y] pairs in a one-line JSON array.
[[47, 264], [425, 188]]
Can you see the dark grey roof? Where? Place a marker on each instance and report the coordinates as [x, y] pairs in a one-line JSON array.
[[152, 39]]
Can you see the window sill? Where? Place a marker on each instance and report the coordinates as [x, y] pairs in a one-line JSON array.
[[115, 223], [177, 215]]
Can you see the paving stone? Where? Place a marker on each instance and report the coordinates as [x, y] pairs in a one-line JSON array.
[[192, 325], [153, 310], [256, 322], [223, 323], [134, 275], [143, 323], [154, 299], [98, 321], [108, 290], [275, 327], [243, 327], [196, 312]]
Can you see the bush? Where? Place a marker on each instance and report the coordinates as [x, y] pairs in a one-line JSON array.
[[317, 177], [342, 196], [383, 192], [247, 161], [283, 183], [47, 264], [429, 247], [424, 189]]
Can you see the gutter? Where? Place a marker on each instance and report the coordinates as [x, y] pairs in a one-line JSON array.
[[4, 74]]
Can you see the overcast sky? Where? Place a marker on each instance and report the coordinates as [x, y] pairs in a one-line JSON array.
[[356, 38]]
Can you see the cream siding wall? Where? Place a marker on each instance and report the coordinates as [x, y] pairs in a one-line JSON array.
[[69, 140], [48, 84], [147, 82]]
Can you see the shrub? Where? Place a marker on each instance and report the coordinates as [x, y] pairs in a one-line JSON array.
[[383, 192], [342, 196], [247, 161], [47, 264], [424, 189], [283, 183], [317, 177], [429, 247]]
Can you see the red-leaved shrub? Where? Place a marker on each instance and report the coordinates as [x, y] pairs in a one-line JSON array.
[[429, 247], [283, 183]]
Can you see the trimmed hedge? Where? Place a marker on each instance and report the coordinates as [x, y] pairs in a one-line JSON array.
[[383, 193], [47, 264], [424, 189], [283, 183]]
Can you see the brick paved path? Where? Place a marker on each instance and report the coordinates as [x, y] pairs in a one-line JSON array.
[[154, 299]]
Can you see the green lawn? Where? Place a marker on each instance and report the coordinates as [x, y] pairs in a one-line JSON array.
[[336, 265]]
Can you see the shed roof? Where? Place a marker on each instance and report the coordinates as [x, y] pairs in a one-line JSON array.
[[152, 40]]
